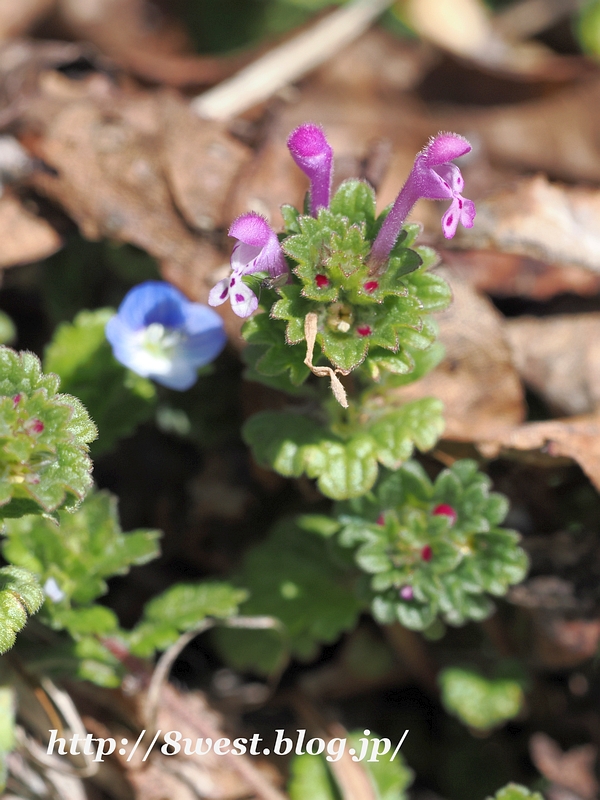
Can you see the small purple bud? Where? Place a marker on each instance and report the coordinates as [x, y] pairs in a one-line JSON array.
[[406, 593], [313, 154], [432, 177]]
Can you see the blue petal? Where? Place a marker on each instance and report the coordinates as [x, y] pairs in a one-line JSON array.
[[153, 301], [201, 319], [117, 331], [182, 375], [203, 348]]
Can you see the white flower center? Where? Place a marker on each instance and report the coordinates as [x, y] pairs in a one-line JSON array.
[[157, 345]]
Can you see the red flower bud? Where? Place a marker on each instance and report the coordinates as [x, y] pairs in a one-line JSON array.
[[446, 511]]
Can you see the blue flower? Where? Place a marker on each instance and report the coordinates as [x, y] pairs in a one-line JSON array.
[[158, 333]]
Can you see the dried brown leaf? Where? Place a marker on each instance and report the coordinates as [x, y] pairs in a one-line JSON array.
[[559, 358], [557, 135], [575, 438], [107, 158], [508, 275], [25, 236], [154, 50], [18, 16], [202, 161], [546, 221], [573, 769]]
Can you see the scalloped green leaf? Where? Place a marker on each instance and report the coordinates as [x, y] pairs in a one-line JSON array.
[[423, 562], [44, 439], [478, 701], [299, 579], [74, 558], [292, 444], [419, 424], [20, 595], [181, 608], [355, 200]]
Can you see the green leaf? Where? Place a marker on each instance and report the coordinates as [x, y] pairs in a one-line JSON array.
[[290, 218], [7, 719], [299, 579], [418, 423], [78, 555], [179, 609], [20, 595], [478, 701], [7, 729], [318, 523], [96, 620], [8, 332], [312, 776], [118, 399], [187, 604], [292, 444], [355, 200], [514, 791], [423, 563], [44, 440]]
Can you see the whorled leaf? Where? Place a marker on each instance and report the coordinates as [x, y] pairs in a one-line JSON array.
[[432, 549], [44, 437], [362, 317], [20, 595]]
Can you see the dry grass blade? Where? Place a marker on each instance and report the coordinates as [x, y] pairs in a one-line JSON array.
[[310, 331], [289, 62]]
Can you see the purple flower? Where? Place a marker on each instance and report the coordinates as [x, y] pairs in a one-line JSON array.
[[160, 334], [460, 209], [313, 154], [257, 250], [434, 178]]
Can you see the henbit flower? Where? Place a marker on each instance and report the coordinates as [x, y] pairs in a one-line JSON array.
[[257, 250], [160, 334], [313, 154], [432, 177]]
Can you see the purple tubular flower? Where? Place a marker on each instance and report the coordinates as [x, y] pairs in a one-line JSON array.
[[313, 154], [160, 334], [434, 178], [257, 250]]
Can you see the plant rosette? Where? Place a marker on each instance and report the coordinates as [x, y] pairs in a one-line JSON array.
[[432, 549]]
